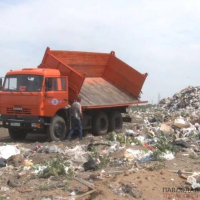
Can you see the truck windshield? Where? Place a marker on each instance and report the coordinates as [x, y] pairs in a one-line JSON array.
[[23, 83]]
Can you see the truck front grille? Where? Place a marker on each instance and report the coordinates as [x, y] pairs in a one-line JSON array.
[[24, 111]]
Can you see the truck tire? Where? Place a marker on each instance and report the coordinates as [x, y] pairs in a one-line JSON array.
[[100, 124], [115, 121], [17, 134], [57, 130]]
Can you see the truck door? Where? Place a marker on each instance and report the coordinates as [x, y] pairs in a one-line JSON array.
[[56, 94]]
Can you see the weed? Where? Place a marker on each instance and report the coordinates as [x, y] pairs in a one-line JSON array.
[[136, 141], [157, 155], [121, 139], [94, 152], [104, 161], [56, 167], [112, 136], [69, 174], [94, 155], [193, 156], [163, 145], [195, 136]]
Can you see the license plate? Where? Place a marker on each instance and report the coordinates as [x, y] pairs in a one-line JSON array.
[[15, 124]]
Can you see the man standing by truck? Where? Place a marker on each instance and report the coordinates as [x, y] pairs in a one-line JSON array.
[[76, 115]]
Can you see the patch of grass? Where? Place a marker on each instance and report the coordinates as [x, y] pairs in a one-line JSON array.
[[70, 174], [55, 167], [121, 139], [112, 136], [94, 155], [105, 160], [124, 139], [94, 152], [2, 197], [136, 141], [43, 187], [156, 166], [163, 145], [193, 156], [157, 155], [195, 136]]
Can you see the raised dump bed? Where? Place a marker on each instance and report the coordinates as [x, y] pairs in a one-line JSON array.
[[102, 79]]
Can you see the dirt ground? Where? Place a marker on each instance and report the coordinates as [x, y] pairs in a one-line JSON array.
[[152, 181]]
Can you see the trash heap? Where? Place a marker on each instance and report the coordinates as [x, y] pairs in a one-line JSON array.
[[188, 98], [153, 137], [172, 126]]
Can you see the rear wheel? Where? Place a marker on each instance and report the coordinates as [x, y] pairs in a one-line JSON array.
[[115, 121], [100, 124], [17, 134], [57, 130]]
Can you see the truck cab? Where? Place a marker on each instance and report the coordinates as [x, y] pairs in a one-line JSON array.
[[29, 98]]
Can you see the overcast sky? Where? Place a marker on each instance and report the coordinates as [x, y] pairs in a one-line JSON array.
[[160, 37]]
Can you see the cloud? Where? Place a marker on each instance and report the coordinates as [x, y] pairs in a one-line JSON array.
[[158, 37]]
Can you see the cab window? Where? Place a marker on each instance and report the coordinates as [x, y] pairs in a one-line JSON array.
[[55, 84]]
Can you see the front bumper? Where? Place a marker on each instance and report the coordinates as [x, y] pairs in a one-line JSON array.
[[22, 122]]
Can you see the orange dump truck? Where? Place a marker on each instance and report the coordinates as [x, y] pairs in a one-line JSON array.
[[38, 99]]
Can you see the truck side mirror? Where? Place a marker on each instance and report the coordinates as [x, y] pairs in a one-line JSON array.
[[48, 84], [1, 83]]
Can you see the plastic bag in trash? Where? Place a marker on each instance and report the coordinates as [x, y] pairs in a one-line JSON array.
[[168, 155], [50, 149], [138, 155], [195, 185], [194, 179], [129, 132], [78, 154], [8, 151]]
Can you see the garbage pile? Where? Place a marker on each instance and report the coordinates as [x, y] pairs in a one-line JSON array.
[[176, 118], [188, 98], [173, 126], [155, 136]]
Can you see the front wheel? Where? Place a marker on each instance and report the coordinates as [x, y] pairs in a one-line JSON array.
[[17, 134], [57, 130]]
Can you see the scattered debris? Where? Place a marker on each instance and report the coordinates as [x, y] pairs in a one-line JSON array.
[[12, 183], [90, 165], [156, 140], [3, 162]]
